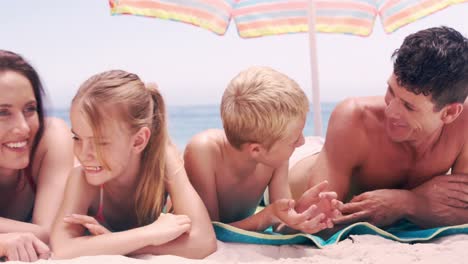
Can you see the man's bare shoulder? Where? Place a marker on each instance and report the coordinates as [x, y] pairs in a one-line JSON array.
[[353, 125], [459, 126], [463, 118], [357, 114]]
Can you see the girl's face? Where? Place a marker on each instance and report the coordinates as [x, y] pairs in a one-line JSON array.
[[115, 146], [19, 120]]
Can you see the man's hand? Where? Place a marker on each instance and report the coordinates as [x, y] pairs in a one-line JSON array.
[[381, 207], [444, 200], [449, 190]]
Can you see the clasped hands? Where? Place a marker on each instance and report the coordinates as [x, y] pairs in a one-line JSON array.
[[313, 212]]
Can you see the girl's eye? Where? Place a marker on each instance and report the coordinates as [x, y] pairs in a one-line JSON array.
[[75, 138], [4, 112]]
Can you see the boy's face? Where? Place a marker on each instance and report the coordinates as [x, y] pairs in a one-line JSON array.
[[281, 150], [409, 116]]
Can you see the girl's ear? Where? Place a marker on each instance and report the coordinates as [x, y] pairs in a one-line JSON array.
[[141, 139]]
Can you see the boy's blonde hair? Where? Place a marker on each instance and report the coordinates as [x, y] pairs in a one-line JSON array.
[[258, 105], [137, 106]]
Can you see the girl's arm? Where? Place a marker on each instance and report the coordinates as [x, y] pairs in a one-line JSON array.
[[200, 241], [52, 163], [68, 239]]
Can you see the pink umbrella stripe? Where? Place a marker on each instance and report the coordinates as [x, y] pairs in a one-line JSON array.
[[213, 15], [260, 18], [395, 14]]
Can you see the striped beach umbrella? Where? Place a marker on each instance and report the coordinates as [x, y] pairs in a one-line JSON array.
[[256, 18]]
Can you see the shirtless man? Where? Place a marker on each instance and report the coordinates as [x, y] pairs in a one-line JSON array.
[[263, 114], [389, 156]]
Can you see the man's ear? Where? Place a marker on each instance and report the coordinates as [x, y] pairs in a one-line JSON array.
[[141, 139], [451, 112]]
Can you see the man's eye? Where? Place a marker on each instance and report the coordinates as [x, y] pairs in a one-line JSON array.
[[4, 112]]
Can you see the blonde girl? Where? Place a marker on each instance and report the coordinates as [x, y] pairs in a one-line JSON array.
[[128, 169]]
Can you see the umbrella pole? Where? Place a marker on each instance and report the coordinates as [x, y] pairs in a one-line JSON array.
[[314, 70]]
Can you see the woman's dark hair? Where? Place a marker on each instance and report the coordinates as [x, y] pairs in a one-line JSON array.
[[10, 61]]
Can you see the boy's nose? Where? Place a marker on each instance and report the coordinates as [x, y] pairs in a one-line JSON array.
[[301, 141]]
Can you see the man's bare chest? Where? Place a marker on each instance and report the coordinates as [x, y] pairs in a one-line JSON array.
[[401, 171]]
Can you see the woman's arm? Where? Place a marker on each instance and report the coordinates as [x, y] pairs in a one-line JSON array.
[[200, 241], [52, 163]]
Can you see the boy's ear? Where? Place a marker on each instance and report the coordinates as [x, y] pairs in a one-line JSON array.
[[141, 139], [451, 112], [254, 149]]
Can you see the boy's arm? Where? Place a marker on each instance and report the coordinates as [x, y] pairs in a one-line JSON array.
[[200, 161], [278, 188], [282, 209]]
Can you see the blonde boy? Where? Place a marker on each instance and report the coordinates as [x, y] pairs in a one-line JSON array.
[[263, 113]]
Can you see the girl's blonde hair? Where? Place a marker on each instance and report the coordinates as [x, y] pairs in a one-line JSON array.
[[137, 106]]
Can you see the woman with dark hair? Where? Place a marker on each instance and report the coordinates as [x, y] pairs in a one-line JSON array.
[[35, 157]]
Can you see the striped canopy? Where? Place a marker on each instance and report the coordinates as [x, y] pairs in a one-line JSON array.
[[255, 18]]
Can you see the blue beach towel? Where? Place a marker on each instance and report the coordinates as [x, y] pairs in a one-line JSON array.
[[403, 232]]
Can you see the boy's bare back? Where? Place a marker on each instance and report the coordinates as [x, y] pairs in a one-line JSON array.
[[219, 175]]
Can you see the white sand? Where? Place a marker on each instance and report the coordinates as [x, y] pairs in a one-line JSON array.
[[359, 249]]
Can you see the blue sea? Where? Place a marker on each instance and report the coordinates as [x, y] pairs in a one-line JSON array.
[[186, 121]]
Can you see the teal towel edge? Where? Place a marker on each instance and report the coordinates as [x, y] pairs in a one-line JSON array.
[[228, 233]]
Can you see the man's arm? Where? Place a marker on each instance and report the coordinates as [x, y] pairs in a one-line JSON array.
[[441, 201], [444, 199], [345, 149]]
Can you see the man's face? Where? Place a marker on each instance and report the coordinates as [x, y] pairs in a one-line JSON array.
[[409, 116]]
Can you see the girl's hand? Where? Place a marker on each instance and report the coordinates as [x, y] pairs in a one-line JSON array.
[[22, 247], [89, 222], [168, 227]]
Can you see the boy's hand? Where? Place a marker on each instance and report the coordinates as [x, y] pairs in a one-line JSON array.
[[89, 222], [326, 202], [308, 221]]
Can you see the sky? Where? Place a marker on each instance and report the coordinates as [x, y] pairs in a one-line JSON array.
[[69, 41]]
